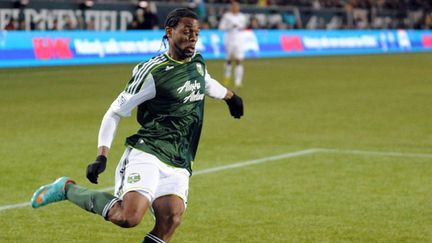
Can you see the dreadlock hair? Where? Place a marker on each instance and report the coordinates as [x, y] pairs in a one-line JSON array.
[[174, 17]]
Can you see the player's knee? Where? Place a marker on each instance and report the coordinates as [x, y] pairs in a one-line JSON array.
[[176, 221], [125, 218], [129, 221], [173, 220]]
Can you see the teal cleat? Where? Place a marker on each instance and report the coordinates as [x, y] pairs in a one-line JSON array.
[[50, 193]]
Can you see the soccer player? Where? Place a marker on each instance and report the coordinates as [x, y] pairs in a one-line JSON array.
[[233, 23], [168, 91]]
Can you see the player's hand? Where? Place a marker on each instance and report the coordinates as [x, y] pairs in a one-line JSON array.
[[235, 105], [95, 168]]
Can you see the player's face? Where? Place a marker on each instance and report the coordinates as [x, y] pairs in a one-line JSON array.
[[235, 7], [183, 38]]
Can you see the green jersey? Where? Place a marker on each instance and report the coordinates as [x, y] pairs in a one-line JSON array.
[[171, 116]]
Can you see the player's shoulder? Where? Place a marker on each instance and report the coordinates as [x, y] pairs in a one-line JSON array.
[[150, 64], [198, 58], [228, 15], [157, 59]]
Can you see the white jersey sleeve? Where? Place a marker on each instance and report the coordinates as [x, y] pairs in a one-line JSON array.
[[122, 107], [213, 88], [223, 24], [126, 102], [108, 129]]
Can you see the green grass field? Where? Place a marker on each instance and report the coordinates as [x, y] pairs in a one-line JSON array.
[[380, 106]]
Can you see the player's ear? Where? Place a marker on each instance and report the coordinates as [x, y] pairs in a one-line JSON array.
[[168, 32]]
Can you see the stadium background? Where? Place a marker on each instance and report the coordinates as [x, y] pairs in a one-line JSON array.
[[331, 149], [125, 31]]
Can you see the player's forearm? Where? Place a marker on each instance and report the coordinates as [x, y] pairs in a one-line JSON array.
[[107, 132]]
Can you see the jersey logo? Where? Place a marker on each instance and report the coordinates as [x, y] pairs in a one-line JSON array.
[[121, 100], [194, 89], [200, 69], [169, 68]]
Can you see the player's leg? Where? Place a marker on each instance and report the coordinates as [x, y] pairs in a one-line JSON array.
[[227, 72], [227, 66], [134, 194], [137, 177], [66, 189], [170, 203], [239, 70], [135, 182], [128, 212], [127, 208], [96, 201], [168, 211]]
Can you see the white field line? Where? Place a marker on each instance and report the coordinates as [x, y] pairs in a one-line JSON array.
[[257, 161], [376, 153], [206, 171], [18, 205], [272, 158]]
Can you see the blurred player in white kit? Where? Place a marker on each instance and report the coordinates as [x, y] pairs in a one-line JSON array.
[[233, 23]]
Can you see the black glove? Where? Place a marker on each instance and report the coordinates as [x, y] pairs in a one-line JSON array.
[[95, 168], [235, 105]]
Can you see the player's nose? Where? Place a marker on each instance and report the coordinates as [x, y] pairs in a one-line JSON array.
[[193, 37]]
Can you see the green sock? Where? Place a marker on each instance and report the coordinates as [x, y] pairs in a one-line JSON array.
[[90, 200]]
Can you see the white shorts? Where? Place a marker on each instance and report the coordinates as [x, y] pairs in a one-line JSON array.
[[234, 50], [145, 173]]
